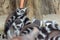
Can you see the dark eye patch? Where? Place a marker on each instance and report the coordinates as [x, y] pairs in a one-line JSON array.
[[17, 10], [9, 21], [18, 26], [22, 11], [24, 33]]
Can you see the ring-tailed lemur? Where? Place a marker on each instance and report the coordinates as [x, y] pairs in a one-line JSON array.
[[43, 31], [18, 13]]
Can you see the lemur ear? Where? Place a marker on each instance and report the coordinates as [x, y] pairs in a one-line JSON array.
[[17, 10], [24, 9]]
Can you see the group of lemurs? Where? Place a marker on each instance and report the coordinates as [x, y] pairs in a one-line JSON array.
[[18, 24]]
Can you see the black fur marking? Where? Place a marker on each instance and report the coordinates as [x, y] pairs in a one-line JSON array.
[[28, 30], [23, 16], [56, 25], [51, 27], [52, 38], [40, 36], [57, 38], [44, 30], [23, 32], [26, 19], [31, 28], [18, 21]]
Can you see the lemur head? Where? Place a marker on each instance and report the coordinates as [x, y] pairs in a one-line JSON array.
[[47, 23], [21, 11], [52, 23], [18, 24]]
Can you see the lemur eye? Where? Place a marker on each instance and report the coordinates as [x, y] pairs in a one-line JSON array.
[[22, 11], [17, 10], [18, 26]]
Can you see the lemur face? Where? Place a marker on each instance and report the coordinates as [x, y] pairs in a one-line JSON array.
[[20, 11], [53, 23], [18, 24]]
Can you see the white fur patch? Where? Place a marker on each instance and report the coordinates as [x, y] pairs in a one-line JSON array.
[[48, 30], [42, 34], [9, 34]]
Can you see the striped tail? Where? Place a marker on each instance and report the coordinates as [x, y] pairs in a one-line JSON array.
[[26, 20], [55, 38], [29, 28]]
